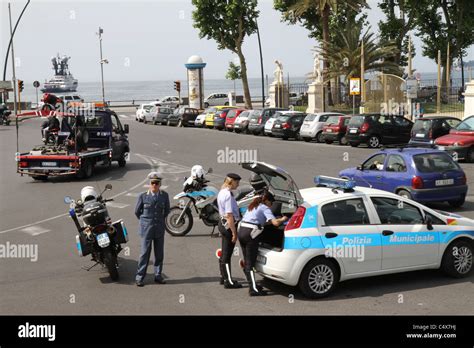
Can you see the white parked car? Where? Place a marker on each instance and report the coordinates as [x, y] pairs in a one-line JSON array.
[[144, 112], [241, 123], [200, 119], [267, 130], [216, 99], [169, 101], [313, 124], [340, 232]]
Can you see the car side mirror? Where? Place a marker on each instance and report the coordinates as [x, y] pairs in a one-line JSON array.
[[359, 167], [67, 200], [126, 129], [429, 222]]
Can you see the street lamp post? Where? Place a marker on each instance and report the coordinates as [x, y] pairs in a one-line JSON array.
[[13, 77], [102, 62], [261, 66]]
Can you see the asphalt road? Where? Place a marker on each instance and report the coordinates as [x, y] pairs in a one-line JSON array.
[[34, 213]]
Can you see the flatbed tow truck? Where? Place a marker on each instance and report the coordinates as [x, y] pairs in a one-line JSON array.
[[83, 141]]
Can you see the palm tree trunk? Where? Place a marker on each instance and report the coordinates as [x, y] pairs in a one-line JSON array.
[[245, 82], [325, 22]]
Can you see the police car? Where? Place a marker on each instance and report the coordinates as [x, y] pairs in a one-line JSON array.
[[342, 232]]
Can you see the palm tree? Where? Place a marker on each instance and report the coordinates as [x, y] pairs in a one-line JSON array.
[[325, 8]]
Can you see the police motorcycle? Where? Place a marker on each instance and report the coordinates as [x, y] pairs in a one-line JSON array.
[[203, 197], [99, 236]]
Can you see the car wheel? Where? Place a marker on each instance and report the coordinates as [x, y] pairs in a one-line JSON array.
[[319, 137], [405, 194], [307, 139], [374, 142], [457, 259], [343, 141], [457, 203], [470, 155], [206, 105], [354, 144], [319, 278], [226, 103]]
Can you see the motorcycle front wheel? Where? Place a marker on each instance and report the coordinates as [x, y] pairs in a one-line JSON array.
[[179, 228], [110, 261]]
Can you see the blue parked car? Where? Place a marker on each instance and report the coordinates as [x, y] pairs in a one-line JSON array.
[[424, 175]]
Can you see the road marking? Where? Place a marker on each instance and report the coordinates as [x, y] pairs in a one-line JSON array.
[[124, 116], [117, 205], [133, 194], [34, 230]]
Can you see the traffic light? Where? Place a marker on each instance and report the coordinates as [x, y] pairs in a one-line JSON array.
[[21, 85], [177, 86]]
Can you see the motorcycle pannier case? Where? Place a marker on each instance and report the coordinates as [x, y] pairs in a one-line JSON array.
[[83, 248], [121, 234]]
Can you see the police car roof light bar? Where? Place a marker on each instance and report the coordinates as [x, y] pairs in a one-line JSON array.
[[336, 183]]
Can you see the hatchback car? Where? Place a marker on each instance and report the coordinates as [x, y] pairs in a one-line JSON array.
[[160, 114], [241, 123], [460, 141], [312, 127], [143, 111], [376, 129], [183, 117], [216, 99], [209, 123], [231, 117], [219, 119], [288, 125], [342, 231], [267, 130], [335, 129], [424, 175], [427, 129], [257, 124], [170, 101]]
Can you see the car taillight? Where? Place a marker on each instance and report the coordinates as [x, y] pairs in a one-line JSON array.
[[23, 164], [296, 219], [417, 183], [260, 120], [337, 129], [223, 115], [285, 126], [463, 179], [365, 127]]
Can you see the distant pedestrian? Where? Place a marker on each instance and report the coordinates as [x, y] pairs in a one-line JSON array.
[[229, 217], [152, 208]]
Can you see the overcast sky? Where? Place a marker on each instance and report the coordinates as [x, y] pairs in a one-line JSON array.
[[150, 40]]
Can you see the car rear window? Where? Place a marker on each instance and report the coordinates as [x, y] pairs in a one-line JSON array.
[[310, 117], [231, 113], [434, 162], [255, 115], [332, 120], [244, 114], [283, 118], [422, 125], [466, 125], [356, 121]]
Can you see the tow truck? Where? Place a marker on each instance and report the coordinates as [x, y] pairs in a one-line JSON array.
[[86, 138]]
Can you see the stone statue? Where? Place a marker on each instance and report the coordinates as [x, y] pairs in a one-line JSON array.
[[317, 68], [279, 72]]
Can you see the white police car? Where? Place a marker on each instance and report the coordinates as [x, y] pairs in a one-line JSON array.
[[342, 232]]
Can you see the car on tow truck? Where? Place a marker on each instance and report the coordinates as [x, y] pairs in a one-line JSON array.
[[342, 231], [85, 140]]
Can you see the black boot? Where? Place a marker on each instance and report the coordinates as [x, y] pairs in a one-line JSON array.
[[221, 269], [229, 283], [254, 289]]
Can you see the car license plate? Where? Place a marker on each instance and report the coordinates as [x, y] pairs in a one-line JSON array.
[[236, 126], [103, 240], [277, 126], [261, 259], [329, 130], [49, 164], [353, 131], [442, 148], [444, 182], [420, 135]]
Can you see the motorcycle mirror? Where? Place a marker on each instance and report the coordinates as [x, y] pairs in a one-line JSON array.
[[209, 171], [108, 187], [67, 200]]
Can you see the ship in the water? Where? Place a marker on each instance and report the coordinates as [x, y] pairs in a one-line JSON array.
[[63, 81]]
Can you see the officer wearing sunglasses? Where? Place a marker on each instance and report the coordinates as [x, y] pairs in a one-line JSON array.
[[152, 208]]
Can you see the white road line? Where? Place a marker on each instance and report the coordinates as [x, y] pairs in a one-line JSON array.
[[117, 205], [133, 194], [35, 230]]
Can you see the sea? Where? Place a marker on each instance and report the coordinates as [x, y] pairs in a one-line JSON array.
[[137, 92]]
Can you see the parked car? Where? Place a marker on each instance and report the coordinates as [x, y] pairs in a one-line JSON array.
[[267, 129], [71, 99], [241, 123], [219, 119], [460, 141], [288, 125], [170, 101], [421, 174], [143, 109], [257, 124], [201, 119], [216, 99], [231, 117], [377, 129], [312, 127], [160, 114], [209, 123], [183, 117], [335, 129], [427, 129]]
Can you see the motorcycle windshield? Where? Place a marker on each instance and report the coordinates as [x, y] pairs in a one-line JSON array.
[[279, 182]]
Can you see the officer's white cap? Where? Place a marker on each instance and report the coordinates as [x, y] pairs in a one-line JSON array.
[[154, 176]]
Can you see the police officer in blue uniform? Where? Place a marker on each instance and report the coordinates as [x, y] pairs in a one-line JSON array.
[[152, 208], [250, 229]]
